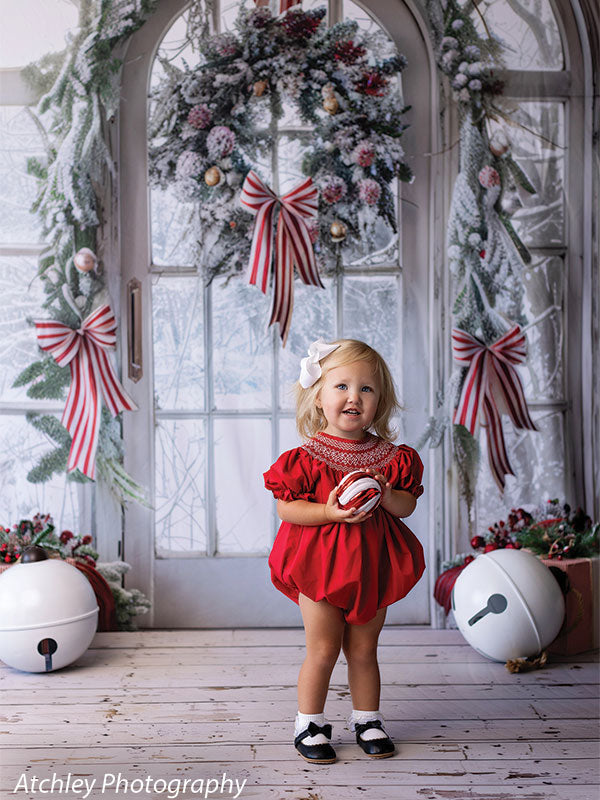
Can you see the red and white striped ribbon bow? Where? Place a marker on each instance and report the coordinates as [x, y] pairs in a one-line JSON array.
[[293, 243], [85, 351], [492, 385]]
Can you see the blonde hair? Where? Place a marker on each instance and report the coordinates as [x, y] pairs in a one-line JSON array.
[[310, 419]]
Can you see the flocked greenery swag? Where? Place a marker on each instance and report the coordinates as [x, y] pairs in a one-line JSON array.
[[82, 96], [485, 254]]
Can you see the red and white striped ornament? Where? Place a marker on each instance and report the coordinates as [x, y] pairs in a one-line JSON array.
[[492, 386], [92, 376], [293, 243], [359, 490]]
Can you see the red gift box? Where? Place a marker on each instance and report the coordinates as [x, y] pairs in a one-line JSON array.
[[580, 628]]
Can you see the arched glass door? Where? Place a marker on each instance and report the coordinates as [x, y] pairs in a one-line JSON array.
[[215, 407]]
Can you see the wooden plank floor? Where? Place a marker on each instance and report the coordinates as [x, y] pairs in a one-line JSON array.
[[153, 709]]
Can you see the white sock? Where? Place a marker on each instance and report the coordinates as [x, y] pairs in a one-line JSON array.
[[301, 724], [366, 716]]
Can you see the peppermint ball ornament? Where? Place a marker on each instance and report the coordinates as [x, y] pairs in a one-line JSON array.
[[85, 260], [359, 490]]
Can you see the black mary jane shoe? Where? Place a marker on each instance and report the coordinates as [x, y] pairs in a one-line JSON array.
[[374, 748], [315, 753]]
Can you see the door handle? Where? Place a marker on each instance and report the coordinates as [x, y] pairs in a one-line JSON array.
[[134, 329]]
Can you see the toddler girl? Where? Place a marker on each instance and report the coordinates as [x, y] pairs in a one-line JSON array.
[[343, 568]]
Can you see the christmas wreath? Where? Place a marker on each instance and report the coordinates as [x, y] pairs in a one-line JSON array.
[[215, 122]]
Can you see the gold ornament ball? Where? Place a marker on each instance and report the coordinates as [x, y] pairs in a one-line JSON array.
[[259, 88], [338, 231], [85, 259], [331, 105], [212, 176]]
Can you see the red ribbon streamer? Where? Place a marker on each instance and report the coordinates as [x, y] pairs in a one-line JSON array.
[[293, 243], [92, 374], [492, 385]]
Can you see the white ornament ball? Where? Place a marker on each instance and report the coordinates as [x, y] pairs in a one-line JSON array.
[[48, 615], [359, 490], [85, 259], [507, 604]]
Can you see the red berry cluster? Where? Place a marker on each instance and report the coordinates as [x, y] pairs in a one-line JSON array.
[[372, 83], [301, 26], [68, 537], [7, 555], [347, 52], [502, 534]]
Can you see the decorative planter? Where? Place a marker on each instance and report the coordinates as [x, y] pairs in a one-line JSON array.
[[580, 628]]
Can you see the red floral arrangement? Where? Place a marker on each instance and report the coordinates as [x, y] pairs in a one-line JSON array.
[[372, 83], [40, 531], [347, 52], [551, 530]]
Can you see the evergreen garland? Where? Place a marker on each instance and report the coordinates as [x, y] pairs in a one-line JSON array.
[[73, 116], [485, 255]]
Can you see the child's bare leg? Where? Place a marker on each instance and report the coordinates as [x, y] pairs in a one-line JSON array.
[[324, 628], [360, 649]]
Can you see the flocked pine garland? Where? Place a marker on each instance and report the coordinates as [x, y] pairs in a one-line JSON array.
[[212, 123], [74, 114], [485, 255]]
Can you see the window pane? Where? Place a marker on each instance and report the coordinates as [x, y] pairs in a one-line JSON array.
[[541, 221], [22, 296], [178, 331], [21, 447], [314, 316], [32, 28], [367, 24], [175, 48], [544, 290], [372, 314], [527, 30], [241, 345], [243, 507], [19, 140], [290, 152], [180, 499], [288, 435], [174, 224], [536, 458]]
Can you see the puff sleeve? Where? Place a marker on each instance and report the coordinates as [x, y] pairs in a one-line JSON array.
[[409, 471], [290, 477]]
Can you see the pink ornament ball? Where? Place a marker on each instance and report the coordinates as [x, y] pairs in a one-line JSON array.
[[85, 260], [369, 191], [199, 117], [359, 490]]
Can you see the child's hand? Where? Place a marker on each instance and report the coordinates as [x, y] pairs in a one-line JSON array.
[[386, 487], [398, 502], [336, 514]]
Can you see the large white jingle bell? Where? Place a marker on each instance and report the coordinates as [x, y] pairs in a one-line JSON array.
[[48, 614], [507, 604]]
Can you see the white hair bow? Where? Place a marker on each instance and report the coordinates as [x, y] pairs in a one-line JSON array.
[[310, 369]]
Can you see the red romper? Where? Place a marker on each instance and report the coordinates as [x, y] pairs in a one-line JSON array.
[[359, 568]]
